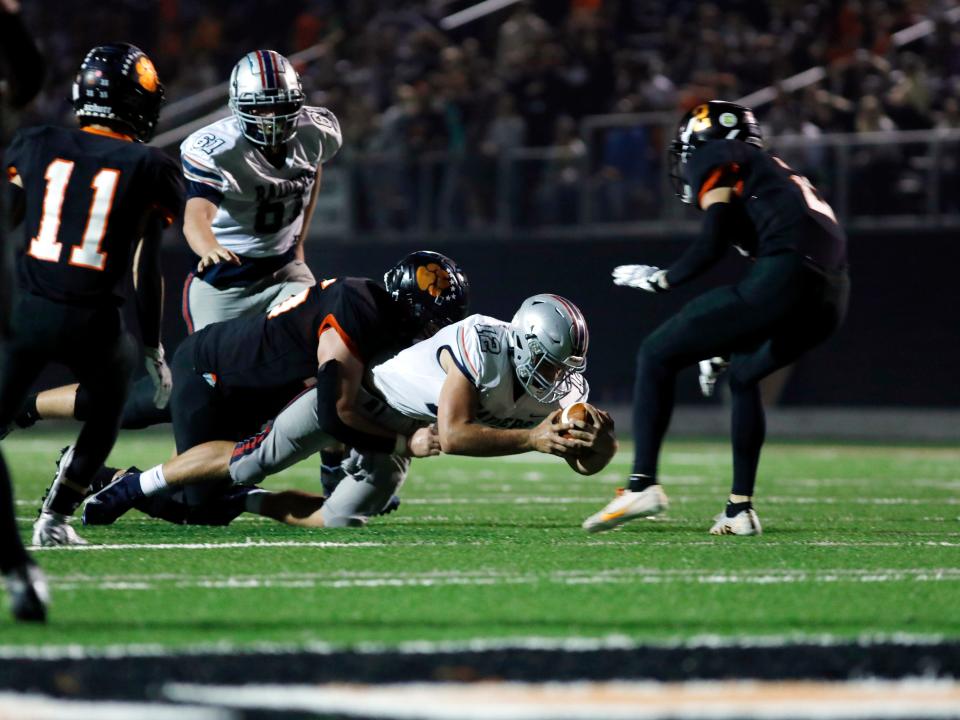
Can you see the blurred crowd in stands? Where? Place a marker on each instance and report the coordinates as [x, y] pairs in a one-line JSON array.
[[526, 77]]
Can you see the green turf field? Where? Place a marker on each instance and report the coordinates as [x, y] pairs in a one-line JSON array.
[[859, 540]]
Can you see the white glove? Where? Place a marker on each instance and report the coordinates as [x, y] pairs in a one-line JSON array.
[[645, 277], [710, 370], [160, 374]]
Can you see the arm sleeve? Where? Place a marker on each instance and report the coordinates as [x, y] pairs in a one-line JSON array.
[[24, 63], [168, 191], [330, 136], [149, 291], [328, 382], [707, 250], [203, 172]]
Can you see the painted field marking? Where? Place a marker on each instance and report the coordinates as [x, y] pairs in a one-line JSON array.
[[341, 579], [579, 700], [41, 707], [571, 644]]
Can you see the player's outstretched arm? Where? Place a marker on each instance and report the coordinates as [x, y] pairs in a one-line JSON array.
[[148, 284], [197, 220], [338, 383], [461, 434]]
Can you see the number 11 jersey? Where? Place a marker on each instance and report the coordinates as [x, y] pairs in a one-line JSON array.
[[87, 195]]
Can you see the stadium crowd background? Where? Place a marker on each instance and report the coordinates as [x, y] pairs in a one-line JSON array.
[[525, 77], [401, 84]]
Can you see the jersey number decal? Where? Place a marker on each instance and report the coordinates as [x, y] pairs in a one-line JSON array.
[[489, 342], [810, 194], [45, 245], [270, 215]]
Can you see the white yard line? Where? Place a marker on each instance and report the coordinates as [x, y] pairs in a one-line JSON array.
[[485, 644], [582, 700], [637, 575]]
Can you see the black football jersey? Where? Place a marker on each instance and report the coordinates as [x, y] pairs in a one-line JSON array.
[[279, 349], [785, 210], [87, 197]]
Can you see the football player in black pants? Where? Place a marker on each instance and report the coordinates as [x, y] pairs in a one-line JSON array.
[[792, 299], [232, 377], [94, 200], [24, 75]]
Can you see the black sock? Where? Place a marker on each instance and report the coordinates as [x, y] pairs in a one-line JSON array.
[[28, 414], [733, 509], [640, 482]]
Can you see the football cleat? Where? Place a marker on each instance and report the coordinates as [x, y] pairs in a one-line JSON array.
[[53, 530], [29, 595], [104, 507], [628, 505], [393, 504], [744, 522]]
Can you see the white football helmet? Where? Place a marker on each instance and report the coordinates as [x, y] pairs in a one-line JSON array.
[[266, 97], [549, 347]]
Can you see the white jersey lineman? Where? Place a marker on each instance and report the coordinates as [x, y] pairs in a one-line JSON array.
[[260, 213], [410, 382], [260, 206]]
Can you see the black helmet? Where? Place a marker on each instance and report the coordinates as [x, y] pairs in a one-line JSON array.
[[118, 86], [431, 290], [715, 120]]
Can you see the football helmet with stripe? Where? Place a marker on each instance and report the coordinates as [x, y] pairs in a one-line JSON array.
[[714, 120], [549, 347], [266, 97]]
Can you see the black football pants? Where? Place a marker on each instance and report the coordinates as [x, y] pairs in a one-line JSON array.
[[92, 343], [781, 309]]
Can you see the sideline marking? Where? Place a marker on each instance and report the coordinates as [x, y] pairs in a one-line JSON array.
[[430, 647], [581, 700], [42, 707]]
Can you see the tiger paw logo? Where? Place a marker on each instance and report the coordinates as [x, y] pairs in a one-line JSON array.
[[433, 279], [147, 74]]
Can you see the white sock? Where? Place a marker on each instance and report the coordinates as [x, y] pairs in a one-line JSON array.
[[152, 481], [254, 501]]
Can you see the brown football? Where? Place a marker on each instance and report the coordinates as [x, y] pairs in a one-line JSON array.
[[579, 411]]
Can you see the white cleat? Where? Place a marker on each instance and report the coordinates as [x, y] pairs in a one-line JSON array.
[[628, 505], [744, 522], [53, 530]]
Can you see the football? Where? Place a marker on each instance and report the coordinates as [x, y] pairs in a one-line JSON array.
[[582, 411]]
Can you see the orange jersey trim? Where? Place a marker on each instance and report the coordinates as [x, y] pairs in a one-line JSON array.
[[12, 173], [724, 171], [107, 133], [331, 322]]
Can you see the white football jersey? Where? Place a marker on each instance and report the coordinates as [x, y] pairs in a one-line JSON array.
[[261, 210], [410, 382]]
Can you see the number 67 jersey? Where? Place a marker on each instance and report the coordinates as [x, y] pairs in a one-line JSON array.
[[259, 205], [87, 195]]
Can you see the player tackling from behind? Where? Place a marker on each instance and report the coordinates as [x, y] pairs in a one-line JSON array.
[[491, 388], [792, 299]]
